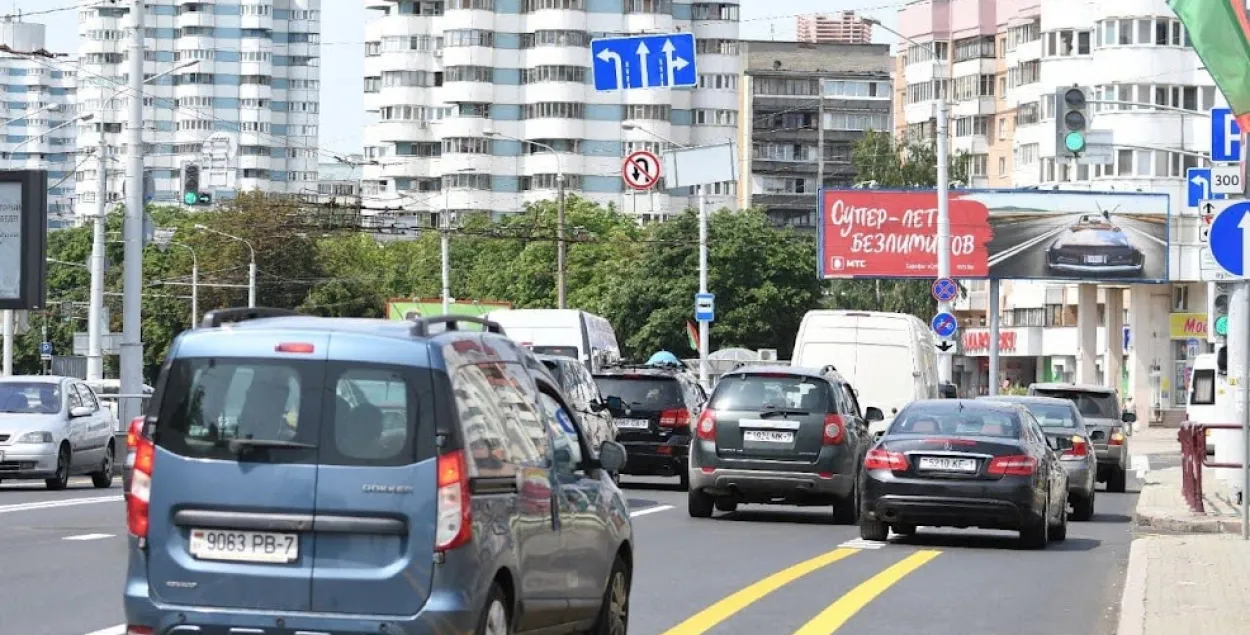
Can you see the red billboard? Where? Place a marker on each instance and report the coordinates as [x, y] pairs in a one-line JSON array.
[[1004, 234]]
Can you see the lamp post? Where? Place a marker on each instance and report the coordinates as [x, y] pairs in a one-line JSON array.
[[251, 268], [561, 301], [195, 283], [444, 239]]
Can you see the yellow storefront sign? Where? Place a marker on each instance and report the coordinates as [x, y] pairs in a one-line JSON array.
[[1183, 326]]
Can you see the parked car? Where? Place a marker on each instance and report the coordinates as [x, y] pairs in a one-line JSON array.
[[780, 435], [656, 406], [52, 428], [1107, 424], [343, 473], [582, 393]]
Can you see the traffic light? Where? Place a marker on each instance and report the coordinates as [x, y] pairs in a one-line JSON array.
[[1217, 310], [1072, 119], [191, 184]]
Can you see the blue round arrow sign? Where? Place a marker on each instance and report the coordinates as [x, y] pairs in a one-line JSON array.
[[944, 325], [1230, 238]]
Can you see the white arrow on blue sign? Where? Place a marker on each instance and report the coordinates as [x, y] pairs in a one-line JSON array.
[[1198, 187], [704, 307], [944, 325], [1230, 239], [1225, 136], [643, 61]]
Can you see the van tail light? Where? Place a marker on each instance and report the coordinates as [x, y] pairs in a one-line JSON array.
[[455, 521], [882, 459], [834, 432], [1079, 449], [675, 418], [139, 496], [706, 427], [132, 629], [1015, 465], [1117, 437]]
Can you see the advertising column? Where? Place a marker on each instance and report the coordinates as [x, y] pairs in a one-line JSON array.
[[23, 248]]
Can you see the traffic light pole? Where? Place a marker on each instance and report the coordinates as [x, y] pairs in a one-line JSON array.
[[95, 354], [1244, 399], [132, 298]]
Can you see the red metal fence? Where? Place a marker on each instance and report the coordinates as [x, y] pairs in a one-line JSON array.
[[1193, 438]]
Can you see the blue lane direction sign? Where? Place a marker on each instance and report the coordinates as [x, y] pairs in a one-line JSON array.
[[643, 61], [1225, 136], [944, 290], [704, 307], [1230, 239], [944, 325], [1198, 187]]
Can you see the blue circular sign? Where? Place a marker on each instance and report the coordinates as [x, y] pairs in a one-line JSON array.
[[944, 325], [945, 290], [1229, 238]]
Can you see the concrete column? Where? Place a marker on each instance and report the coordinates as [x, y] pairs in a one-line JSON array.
[[1143, 341], [1113, 360], [1087, 334]]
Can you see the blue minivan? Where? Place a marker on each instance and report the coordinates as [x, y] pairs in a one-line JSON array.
[[300, 475]]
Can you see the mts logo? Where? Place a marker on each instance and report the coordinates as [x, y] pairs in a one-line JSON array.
[[838, 263]]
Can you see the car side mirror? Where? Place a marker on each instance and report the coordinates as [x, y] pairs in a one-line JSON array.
[[80, 411], [1128, 416], [873, 413], [615, 404], [948, 391], [612, 456]]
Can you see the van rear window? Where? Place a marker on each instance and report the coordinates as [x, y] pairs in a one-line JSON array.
[[643, 393], [279, 411]]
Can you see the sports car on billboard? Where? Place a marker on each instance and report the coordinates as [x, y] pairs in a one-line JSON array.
[[1094, 245]]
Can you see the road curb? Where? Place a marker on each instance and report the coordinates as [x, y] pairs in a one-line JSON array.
[[1192, 525], [1133, 599]]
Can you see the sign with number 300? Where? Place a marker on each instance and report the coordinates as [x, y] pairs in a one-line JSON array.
[[1226, 179]]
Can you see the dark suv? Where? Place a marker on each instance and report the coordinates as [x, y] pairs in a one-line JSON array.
[[657, 406], [780, 434]]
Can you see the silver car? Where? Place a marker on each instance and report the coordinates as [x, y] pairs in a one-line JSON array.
[[52, 428], [1109, 427]]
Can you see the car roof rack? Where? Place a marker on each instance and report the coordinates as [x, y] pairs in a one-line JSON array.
[[218, 317], [421, 326]]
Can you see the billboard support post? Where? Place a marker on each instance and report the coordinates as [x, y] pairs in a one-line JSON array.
[[7, 365], [994, 344], [943, 220]]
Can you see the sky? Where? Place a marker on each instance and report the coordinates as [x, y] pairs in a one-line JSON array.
[[342, 48]]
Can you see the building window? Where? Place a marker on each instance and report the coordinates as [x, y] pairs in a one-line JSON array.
[[557, 37], [981, 47], [1067, 43], [557, 110], [574, 74]]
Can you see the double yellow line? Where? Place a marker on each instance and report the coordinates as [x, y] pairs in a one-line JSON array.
[[827, 621]]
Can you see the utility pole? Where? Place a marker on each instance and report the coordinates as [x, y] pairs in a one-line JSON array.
[[95, 355], [444, 243], [703, 324], [132, 298], [944, 213], [561, 301]]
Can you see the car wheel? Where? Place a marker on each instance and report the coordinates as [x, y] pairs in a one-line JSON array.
[[61, 480], [495, 619], [846, 510], [104, 478], [1059, 532], [873, 530], [1083, 508], [904, 530], [1117, 481], [613, 616], [699, 504], [1036, 533]]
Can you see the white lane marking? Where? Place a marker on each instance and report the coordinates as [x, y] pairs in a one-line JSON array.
[[85, 537], [1140, 463], [120, 629], [1146, 235], [860, 543], [68, 502], [649, 510]]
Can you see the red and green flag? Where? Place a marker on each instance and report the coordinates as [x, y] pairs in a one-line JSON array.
[[1220, 33], [692, 333]]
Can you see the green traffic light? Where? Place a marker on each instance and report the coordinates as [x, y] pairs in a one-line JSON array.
[[1221, 325], [1074, 141], [190, 198]]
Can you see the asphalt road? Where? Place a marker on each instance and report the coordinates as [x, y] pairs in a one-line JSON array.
[[761, 570], [1018, 249]]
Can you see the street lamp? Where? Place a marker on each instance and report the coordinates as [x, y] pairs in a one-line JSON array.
[[251, 268], [195, 283], [943, 190], [560, 289], [444, 239]]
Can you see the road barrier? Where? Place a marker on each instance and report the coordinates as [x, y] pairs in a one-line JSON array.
[[1193, 438]]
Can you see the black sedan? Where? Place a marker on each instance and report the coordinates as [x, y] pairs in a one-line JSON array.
[[1094, 245], [958, 463]]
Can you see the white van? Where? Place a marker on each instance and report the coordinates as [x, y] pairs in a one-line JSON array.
[[889, 358], [1208, 393], [583, 336]]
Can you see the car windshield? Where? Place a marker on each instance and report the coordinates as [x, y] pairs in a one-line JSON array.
[[1052, 415], [644, 393], [956, 423], [30, 398], [771, 392], [1101, 405]]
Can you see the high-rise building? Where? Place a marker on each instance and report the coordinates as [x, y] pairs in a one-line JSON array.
[[450, 87], [39, 98], [844, 27], [243, 103]]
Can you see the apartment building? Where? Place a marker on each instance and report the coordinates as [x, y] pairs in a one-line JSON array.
[[844, 27], [244, 101], [791, 90], [37, 110], [480, 105]]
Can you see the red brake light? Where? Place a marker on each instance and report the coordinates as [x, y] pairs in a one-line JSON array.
[[134, 433], [881, 459], [455, 521], [675, 418], [706, 427], [1117, 437], [1016, 465], [1079, 448], [294, 347], [139, 496], [835, 430], [131, 629]]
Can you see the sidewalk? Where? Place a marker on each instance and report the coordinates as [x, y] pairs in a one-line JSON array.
[[1193, 584]]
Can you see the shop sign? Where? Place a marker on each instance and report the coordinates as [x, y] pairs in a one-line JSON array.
[[1183, 326], [979, 341]]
